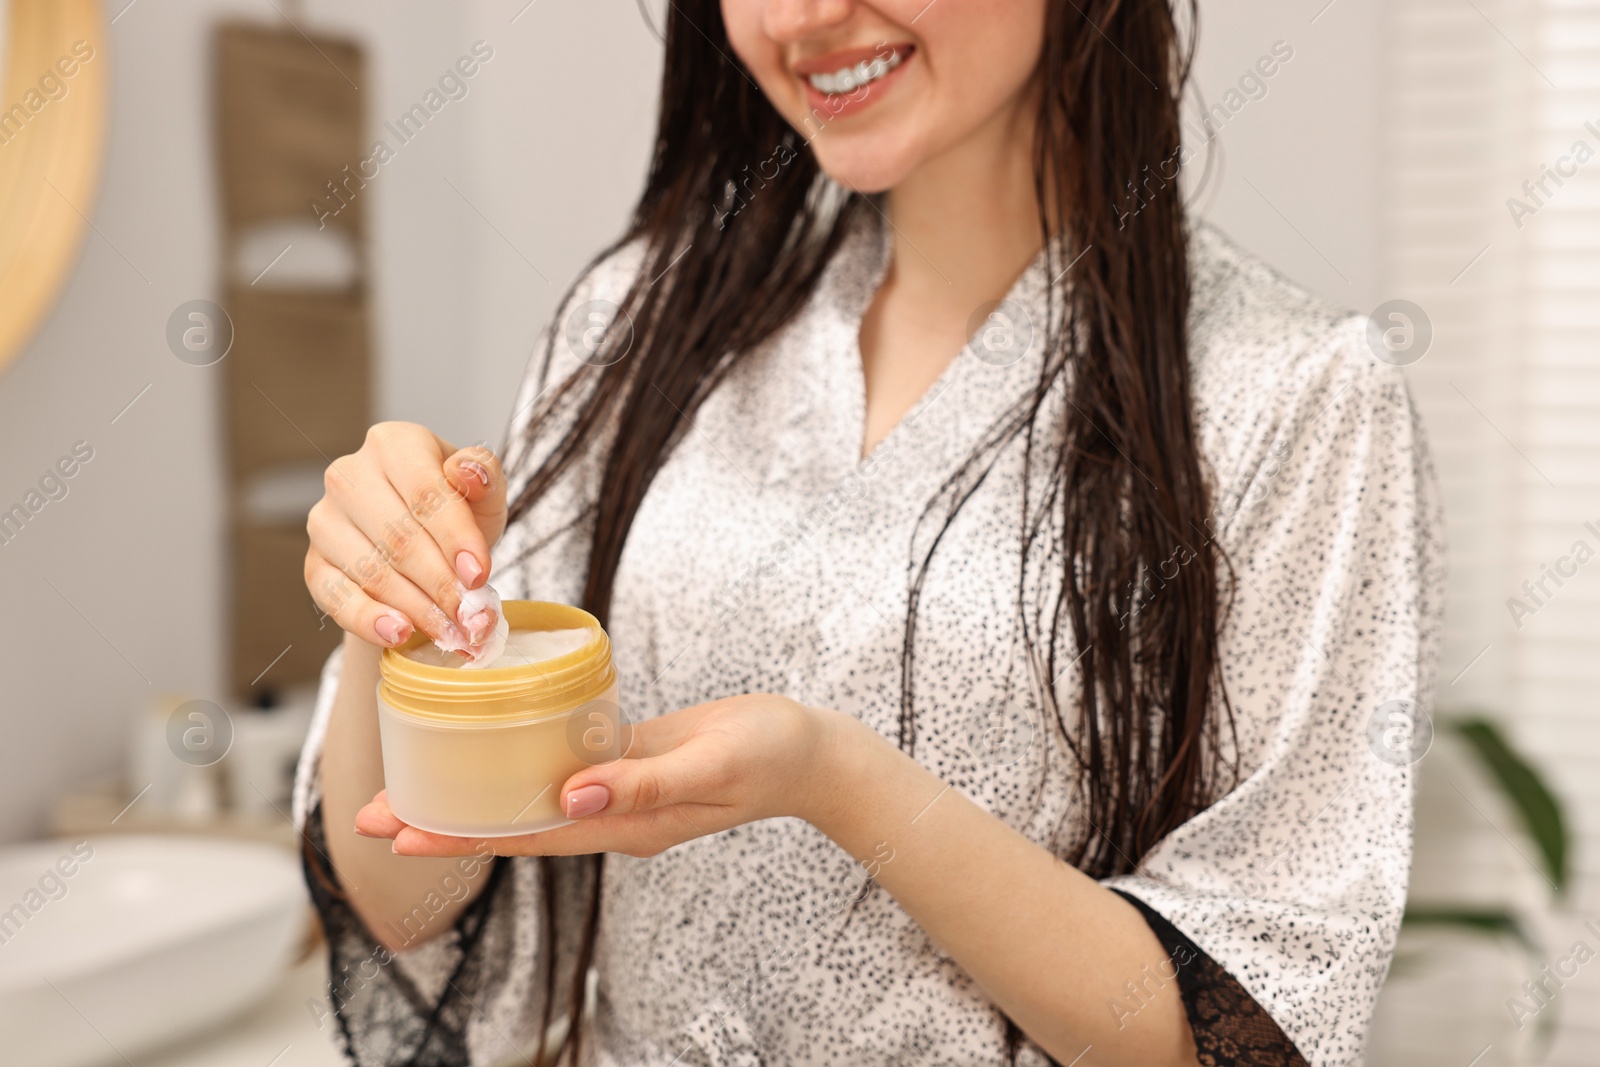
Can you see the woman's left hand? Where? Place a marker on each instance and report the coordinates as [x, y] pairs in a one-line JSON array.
[[687, 774], [715, 766]]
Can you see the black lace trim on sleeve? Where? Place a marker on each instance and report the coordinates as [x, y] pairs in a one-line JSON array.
[[383, 1017], [1230, 1028]]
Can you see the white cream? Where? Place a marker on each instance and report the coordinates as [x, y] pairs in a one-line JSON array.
[[520, 647], [484, 625]]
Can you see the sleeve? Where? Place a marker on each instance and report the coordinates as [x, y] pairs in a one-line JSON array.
[[1280, 904], [474, 995]]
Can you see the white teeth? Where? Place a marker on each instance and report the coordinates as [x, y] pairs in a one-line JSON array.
[[849, 79]]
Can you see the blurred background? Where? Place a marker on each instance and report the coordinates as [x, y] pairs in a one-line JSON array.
[[197, 237]]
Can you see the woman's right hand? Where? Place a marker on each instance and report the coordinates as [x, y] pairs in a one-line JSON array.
[[400, 522]]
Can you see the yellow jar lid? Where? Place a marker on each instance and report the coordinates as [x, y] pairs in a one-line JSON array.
[[502, 694]]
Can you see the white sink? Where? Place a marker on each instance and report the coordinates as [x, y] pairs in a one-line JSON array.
[[148, 939]]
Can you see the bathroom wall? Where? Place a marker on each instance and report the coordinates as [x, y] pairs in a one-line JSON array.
[[116, 591], [1297, 177]]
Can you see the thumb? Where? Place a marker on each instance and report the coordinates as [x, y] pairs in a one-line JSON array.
[[680, 776], [475, 474]]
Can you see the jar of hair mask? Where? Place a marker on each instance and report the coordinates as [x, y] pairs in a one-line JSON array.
[[483, 752]]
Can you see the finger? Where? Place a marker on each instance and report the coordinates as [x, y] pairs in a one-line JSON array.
[[342, 600], [476, 473], [376, 820], [410, 841], [366, 492], [688, 774], [643, 833], [405, 557], [439, 497], [364, 565]]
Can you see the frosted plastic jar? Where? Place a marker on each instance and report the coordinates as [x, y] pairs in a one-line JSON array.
[[484, 752]]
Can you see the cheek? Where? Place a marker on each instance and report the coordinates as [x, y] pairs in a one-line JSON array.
[[982, 54], [762, 56], [742, 20]]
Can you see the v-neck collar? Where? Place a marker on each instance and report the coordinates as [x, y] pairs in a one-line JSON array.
[[979, 384]]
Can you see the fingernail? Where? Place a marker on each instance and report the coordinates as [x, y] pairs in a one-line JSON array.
[[467, 566], [361, 833], [392, 629], [477, 470], [586, 800]]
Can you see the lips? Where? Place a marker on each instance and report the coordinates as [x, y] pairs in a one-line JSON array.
[[849, 57], [849, 80]]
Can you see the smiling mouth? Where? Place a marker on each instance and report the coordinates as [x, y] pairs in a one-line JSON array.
[[849, 79]]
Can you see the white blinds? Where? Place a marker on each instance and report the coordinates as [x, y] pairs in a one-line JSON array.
[[1483, 96]]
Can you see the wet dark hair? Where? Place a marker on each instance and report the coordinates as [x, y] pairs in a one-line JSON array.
[[1122, 476]]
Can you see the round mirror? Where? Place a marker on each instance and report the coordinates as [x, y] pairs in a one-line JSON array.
[[53, 89]]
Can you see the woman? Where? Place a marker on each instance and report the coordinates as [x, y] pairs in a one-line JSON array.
[[892, 337]]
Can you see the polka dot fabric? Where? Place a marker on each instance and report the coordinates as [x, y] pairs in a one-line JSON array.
[[769, 556]]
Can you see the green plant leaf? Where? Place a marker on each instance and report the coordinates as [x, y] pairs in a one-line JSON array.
[[1488, 922], [1523, 786], [1484, 921]]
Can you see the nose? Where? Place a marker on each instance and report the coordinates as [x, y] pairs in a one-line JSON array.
[[787, 21]]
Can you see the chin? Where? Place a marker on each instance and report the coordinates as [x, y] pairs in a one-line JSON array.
[[864, 175], [867, 163]]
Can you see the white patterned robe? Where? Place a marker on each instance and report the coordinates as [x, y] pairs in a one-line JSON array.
[[769, 557]]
